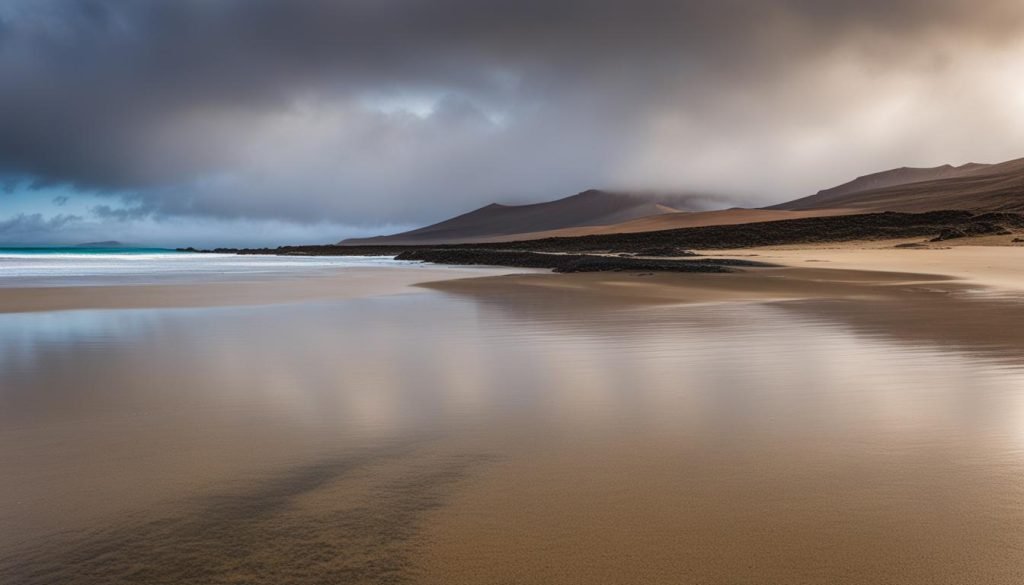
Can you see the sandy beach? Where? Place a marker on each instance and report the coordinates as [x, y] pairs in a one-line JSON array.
[[352, 283], [852, 270], [453, 425], [997, 266], [966, 298], [841, 271], [511, 293]]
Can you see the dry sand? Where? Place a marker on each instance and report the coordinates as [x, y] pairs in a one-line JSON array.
[[1001, 267]]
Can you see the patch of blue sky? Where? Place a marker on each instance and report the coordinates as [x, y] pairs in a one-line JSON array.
[[48, 201]]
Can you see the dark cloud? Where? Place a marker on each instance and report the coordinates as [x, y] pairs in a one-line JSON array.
[[26, 226], [362, 111], [120, 213]]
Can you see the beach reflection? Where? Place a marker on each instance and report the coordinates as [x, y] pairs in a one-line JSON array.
[[434, 437]]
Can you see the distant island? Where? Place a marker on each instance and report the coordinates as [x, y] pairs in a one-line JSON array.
[[106, 244]]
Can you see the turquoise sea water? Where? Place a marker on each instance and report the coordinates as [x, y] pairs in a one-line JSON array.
[[73, 266], [80, 250]]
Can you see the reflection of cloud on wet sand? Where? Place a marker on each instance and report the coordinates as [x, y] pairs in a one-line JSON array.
[[346, 520], [941, 313], [529, 433]]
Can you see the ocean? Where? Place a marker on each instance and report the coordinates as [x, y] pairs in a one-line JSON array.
[[73, 266]]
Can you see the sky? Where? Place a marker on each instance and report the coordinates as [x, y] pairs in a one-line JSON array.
[[260, 122]]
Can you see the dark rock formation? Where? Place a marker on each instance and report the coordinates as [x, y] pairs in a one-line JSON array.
[[975, 228], [570, 262], [627, 248], [664, 251]]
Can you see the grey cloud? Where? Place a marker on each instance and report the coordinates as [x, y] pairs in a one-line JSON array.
[[120, 213], [25, 227], [363, 111]]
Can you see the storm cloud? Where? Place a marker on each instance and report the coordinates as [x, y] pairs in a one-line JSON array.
[[24, 227], [363, 112]]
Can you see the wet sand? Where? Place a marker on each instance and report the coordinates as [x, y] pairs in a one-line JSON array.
[[837, 271], [841, 426], [850, 272], [351, 283], [796, 502]]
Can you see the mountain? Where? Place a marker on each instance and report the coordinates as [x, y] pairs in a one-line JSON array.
[[674, 221], [589, 208], [894, 177], [971, 187], [974, 187]]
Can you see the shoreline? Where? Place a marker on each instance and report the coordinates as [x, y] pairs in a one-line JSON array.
[[776, 251], [914, 229], [347, 283], [802, 273], [755, 275]]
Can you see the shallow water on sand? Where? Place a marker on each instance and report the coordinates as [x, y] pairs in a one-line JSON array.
[[515, 439], [22, 267]]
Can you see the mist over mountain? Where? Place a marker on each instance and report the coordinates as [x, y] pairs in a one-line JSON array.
[[971, 186]]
